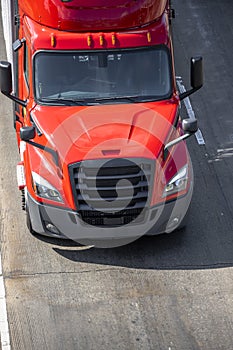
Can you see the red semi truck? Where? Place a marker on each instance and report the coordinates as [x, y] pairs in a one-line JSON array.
[[97, 118]]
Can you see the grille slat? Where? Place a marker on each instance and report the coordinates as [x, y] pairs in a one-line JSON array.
[[87, 188], [103, 198], [110, 171], [139, 205], [87, 197], [82, 175], [109, 182]]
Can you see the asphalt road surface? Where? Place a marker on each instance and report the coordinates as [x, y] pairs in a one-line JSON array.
[[170, 292]]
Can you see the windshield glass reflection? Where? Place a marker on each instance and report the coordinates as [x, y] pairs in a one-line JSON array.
[[144, 74]]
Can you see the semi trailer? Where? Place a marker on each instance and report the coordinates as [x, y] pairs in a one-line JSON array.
[[97, 118]]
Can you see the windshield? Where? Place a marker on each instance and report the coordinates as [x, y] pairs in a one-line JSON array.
[[138, 75]]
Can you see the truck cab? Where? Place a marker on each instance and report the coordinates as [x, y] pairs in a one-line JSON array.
[[97, 119]]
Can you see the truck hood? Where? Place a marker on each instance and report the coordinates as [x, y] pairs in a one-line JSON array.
[[120, 130]]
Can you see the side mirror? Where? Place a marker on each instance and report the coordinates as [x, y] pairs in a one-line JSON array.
[[189, 125], [6, 77], [27, 133], [196, 72], [17, 44], [6, 82], [196, 76]]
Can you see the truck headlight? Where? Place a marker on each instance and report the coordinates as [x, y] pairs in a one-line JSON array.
[[44, 189], [177, 183]]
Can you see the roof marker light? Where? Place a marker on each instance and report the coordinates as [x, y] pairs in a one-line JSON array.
[[101, 40], [53, 40], [113, 39], [149, 37], [89, 40]]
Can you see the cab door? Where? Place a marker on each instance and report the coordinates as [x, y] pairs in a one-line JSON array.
[[22, 86]]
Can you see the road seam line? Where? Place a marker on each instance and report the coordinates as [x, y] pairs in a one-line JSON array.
[[4, 327], [190, 111]]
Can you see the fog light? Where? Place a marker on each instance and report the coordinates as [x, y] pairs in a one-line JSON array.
[[51, 228], [173, 222]]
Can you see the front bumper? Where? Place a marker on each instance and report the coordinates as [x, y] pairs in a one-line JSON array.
[[69, 224]]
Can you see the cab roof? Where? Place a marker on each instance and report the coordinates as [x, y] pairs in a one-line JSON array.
[[93, 15]]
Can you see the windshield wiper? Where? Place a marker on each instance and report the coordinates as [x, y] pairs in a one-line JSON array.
[[117, 98], [64, 101]]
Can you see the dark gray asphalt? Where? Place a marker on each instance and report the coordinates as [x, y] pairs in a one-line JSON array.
[[167, 292]]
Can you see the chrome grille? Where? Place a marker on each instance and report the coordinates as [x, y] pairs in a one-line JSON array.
[[111, 192]]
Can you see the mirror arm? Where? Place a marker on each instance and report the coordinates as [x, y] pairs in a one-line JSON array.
[[188, 93], [174, 142], [47, 149], [15, 99]]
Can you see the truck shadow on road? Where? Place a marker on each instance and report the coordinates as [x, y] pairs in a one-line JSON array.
[[184, 249]]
